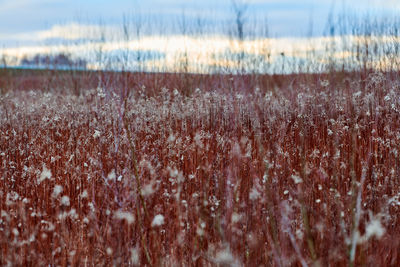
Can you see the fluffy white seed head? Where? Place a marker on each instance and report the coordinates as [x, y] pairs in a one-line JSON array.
[[45, 174], [57, 190], [124, 215], [158, 220], [65, 201]]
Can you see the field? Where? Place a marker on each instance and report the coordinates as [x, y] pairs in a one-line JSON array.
[[199, 170]]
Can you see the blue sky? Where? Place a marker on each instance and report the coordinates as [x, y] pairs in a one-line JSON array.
[[285, 17], [32, 27]]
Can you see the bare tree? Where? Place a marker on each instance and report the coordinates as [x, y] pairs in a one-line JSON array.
[[3, 60], [183, 64], [137, 27], [4, 72], [239, 8]]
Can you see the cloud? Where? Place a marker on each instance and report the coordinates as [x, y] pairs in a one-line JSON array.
[[286, 17], [204, 54], [70, 31], [75, 31], [6, 5], [9, 5]]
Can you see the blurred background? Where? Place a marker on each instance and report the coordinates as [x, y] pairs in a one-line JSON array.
[[263, 36]]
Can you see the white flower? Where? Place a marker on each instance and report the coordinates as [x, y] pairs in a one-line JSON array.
[[254, 194], [124, 215], [96, 134], [15, 231], [147, 190], [197, 139], [100, 92], [296, 179], [171, 138], [324, 83], [135, 256], [11, 198], [158, 220], [225, 258], [65, 201], [236, 217], [111, 176], [57, 190], [84, 194], [199, 231], [46, 174], [239, 96], [374, 228]]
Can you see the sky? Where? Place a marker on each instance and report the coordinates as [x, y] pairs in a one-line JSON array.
[[22, 20], [77, 27]]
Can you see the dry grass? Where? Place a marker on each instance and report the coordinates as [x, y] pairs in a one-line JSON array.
[[302, 174]]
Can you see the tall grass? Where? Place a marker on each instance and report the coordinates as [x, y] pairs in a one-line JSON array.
[[133, 169], [306, 174]]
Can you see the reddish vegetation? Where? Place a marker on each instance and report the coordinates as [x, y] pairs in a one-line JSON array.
[[246, 170], [79, 81]]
